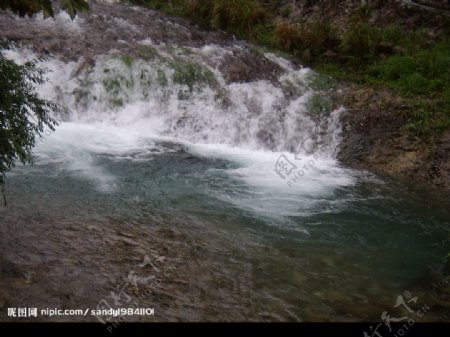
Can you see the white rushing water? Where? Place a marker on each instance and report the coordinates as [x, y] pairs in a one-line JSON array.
[[283, 136]]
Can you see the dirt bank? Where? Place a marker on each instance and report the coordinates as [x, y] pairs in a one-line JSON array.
[[375, 138]]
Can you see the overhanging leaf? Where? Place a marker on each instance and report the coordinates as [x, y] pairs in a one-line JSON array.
[[74, 6], [47, 8]]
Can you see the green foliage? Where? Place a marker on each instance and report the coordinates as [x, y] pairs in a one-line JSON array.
[[112, 85], [319, 105], [308, 41], [429, 116], [199, 11], [116, 102], [318, 37], [23, 115], [83, 92], [161, 78], [420, 123], [359, 42], [287, 35], [30, 7], [74, 6], [115, 84], [420, 73], [423, 77], [262, 34], [191, 73], [285, 12], [127, 60], [238, 16]]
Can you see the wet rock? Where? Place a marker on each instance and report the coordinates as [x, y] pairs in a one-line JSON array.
[[104, 28], [246, 66], [129, 242]]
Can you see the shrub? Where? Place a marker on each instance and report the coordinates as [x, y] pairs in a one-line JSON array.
[[308, 41], [319, 37], [287, 35], [23, 115], [238, 16], [359, 42], [200, 11]]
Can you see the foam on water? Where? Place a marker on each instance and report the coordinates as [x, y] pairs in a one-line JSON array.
[[117, 105]]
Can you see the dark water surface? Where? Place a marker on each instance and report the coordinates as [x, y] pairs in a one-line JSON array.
[[347, 256]]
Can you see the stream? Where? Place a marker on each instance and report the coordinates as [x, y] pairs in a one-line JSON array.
[[216, 159]]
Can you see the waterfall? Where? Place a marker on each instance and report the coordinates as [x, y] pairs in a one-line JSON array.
[[181, 93], [118, 65], [127, 79]]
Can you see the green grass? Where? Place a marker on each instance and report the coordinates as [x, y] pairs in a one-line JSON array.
[[419, 73], [127, 60], [189, 74], [237, 16], [422, 77]]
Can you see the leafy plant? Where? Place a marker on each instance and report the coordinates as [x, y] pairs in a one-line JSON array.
[[287, 35], [23, 115], [308, 41], [238, 16], [74, 6], [359, 42]]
